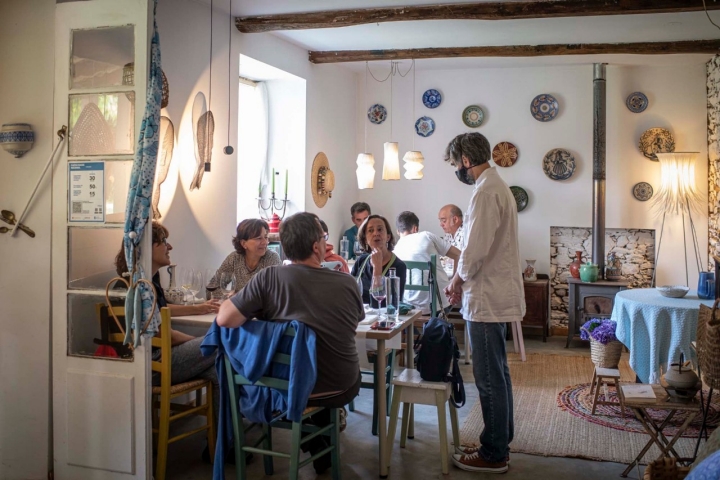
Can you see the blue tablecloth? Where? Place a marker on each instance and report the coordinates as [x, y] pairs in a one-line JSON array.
[[656, 329]]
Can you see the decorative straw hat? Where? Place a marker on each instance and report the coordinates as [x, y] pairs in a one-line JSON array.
[[322, 180]]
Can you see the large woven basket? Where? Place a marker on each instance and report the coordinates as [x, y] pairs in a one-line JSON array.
[[605, 356], [708, 345], [665, 469]]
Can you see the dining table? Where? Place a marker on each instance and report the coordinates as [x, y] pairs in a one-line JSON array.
[[656, 329], [199, 323]]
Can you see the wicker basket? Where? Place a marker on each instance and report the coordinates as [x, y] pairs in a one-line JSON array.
[[605, 356], [665, 469]]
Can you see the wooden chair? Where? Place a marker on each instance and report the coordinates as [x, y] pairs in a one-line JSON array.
[[234, 381], [600, 378], [389, 373], [110, 335], [165, 411]]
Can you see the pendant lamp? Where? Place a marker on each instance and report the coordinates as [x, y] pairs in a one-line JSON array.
[[391, 161], [365, 161], [414, 159]]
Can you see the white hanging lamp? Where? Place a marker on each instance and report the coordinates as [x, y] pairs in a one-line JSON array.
[[414, 160], [365, 171], [391, 161]]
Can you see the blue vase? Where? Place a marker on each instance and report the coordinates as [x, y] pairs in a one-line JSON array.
[[706, 285]]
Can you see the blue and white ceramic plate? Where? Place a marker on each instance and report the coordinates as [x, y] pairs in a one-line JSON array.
[[473, 116], [636, 102], [425, 126], [377, 114], [558, 164], [432, 98], [544, 107], [521, 198], [642, 191]]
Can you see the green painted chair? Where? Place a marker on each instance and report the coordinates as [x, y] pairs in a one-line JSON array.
[[389, 373], [332, 430], [417, 279]]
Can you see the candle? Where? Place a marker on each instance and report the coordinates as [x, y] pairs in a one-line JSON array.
[[273, 181], [286, 182], [260, 189]]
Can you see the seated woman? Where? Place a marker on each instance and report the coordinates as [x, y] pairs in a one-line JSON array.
[[331, 256], [376, 236], [250, 256]]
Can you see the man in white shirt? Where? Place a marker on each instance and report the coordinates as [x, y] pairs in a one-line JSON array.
[[415, 246], [489, 282], [451, 221]]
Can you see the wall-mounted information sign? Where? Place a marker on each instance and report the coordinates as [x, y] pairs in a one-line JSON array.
[[86, 185]]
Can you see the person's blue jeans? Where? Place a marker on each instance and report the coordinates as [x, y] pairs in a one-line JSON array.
[[492, 378]]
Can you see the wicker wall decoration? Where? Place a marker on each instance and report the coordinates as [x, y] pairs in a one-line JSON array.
[[128, 78]]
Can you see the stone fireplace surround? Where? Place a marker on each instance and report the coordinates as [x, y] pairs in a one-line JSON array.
[[634, 247]]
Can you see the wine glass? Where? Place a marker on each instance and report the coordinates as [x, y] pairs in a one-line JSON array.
[[378, 291], [358, 248], [227, 284], [196, 284], [185, 275]]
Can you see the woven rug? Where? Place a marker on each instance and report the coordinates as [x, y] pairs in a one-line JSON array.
[[542, 427]]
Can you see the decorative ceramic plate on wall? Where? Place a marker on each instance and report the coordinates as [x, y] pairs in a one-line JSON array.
[[425, 126], [559, 164], [505, 154], [377, 114], [544, 107], [642, 191], [656, 140], [432, 98], [473, 116], [636, 102], [521, 197]]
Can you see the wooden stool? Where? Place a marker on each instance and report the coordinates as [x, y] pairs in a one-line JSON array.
[[600, 375], [410, 389]]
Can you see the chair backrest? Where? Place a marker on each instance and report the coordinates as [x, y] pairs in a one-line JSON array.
[[109, 331], [164, 343], [423, 286], [235, 379]]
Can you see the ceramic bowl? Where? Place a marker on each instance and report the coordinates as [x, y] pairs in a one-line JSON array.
[[673, 291], [16, 138]]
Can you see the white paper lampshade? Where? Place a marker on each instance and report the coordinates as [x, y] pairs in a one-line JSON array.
[[677, 191], [365, 171], [391, 163], [413, 165]]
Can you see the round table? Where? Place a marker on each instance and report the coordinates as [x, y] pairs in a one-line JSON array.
[[656, 329]]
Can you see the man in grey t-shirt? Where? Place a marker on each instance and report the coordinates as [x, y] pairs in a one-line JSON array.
[[326, 301]]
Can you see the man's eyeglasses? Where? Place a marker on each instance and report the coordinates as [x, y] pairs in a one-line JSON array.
[[324, 237]]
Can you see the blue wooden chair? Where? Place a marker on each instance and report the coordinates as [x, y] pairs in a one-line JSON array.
[[332, 430]]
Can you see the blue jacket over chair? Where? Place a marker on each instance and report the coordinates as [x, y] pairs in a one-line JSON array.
[[251, 349]]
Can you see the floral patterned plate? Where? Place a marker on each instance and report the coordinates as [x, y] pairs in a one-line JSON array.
[[642, 191], [521, 197], [505, 154], [425, 126], [636, 102], [558, 164], [377, 114], [473, 116], [544, 107], [656, 140], [432, 98]]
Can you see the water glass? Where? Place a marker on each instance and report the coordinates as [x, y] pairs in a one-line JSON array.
[[358, 248], [704, 291]]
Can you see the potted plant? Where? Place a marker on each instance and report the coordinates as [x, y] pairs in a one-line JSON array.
[[605, 349]]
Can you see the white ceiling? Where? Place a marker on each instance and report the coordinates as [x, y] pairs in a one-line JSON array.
[[461, 33]]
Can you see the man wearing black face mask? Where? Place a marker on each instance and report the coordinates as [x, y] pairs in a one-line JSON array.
[[489, 284]]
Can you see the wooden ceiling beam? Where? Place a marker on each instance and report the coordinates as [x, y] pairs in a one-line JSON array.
[[645, 48], [466, 11]]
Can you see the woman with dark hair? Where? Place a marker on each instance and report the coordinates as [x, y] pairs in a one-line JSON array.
[[250, 256], [375, 235]]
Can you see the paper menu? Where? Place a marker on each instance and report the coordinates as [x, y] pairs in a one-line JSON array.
[[638, 392]]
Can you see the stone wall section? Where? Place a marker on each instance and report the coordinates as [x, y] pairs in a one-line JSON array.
[[634, 247], [713, 138]]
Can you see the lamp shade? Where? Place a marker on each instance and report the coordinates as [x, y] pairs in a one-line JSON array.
[[365, 171], [413, 165], [391, 162], [677, 182]]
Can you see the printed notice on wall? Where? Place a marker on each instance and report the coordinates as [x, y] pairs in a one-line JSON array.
[[85, 192]]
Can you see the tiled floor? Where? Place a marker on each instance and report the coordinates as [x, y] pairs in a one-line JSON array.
[[421, 458]]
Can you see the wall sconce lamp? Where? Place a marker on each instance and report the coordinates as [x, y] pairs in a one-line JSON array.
[[17, 138]]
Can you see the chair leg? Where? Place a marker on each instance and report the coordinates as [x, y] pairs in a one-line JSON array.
[[600, 381], [518, 339], [389, 379], [392, 427], [375, 410], [440, 401], [210, 421], [295, 450], [454, 425], [592, 384], [163, 434], [620, 398], [407, 408], [351, 405], [335, 442], [267, 445], [411, 421]]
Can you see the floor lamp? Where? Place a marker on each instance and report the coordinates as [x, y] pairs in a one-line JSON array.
[[678, 195]]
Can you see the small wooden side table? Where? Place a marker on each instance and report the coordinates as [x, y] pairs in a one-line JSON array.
[[662, 402]]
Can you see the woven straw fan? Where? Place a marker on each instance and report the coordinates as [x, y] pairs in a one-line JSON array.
[[205, 131], [165, 153], [199, 108]]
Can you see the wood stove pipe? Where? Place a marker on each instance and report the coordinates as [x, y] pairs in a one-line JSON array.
[[598, 219]]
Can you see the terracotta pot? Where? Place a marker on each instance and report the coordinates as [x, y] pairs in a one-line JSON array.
[[575, 265]]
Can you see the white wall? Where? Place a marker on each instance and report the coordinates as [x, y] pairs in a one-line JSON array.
[[26, 95], [203, 221], [676, 101]]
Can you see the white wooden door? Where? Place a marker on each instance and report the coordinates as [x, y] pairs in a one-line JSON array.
[[101, 420]]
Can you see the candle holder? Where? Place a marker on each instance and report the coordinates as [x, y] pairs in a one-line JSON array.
[[272, 205]]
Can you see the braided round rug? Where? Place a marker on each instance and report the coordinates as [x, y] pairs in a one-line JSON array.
[[577, 401]]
